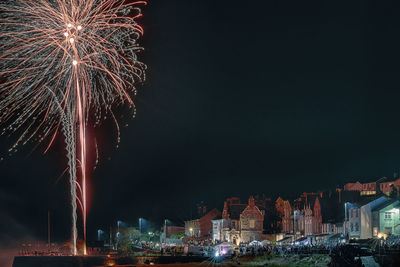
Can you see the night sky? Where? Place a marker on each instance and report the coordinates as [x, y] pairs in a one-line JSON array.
[[242, 97]]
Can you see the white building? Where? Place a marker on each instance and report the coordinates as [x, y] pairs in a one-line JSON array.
[[358, 218]]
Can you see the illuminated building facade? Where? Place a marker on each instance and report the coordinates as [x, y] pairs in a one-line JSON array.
[[386, 218], [372, 188], [239, 222], [201, 227], [359, 220], [251, 222]]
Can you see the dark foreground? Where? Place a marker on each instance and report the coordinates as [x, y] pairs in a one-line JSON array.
[[97, 261]]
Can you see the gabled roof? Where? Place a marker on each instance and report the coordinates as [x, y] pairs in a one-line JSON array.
[[385, 204], [368, 199]]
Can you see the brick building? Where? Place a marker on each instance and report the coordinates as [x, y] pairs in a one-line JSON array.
[[374, 188], [287, 218], [280, 212], [251, 222], [239, 222], [169, 231], [304, 216], [313, 218], [201, 227]]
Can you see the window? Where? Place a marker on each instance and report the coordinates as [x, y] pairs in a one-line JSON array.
[[356, 213], [252, 223], [388, 215], [356, 226], [367, 193], [351, 227]]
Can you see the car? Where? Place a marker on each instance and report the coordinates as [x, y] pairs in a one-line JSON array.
[[196, 251]]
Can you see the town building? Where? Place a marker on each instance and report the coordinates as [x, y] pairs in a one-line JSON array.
[[220, 227], [374, 188], [239, 222], [386, 218], [358, 217], [227, 228], [201, 227], [287, 219], [304, 216], [251, 222], [353, 220], [332, 228], [280, 212], [169, 233], [356, 211], [313, 218]]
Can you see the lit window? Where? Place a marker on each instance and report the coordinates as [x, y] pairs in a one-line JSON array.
[[252, 223]]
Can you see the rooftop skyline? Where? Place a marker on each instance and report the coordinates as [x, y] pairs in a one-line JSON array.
[[269, 97]]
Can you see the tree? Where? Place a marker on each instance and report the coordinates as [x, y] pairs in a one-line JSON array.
[[177, 236], [128, 237]]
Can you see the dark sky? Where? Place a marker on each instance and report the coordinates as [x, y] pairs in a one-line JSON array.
[[242, 97]]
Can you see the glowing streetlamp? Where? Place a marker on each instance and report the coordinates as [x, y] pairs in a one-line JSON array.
[[191, 231]]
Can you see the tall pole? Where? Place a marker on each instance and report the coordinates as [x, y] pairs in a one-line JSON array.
[[294, 223], [48, 228], [345, 219], [110, 236], [165, 230], [117, 236]]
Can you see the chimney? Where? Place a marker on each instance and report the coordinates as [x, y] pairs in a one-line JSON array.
[[251, 201]]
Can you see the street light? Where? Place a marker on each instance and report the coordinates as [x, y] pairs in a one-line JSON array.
[[118, 234], [118, 224], [294, 224], [165, 229], [99, 234], [345, 218], [151, 234], [191, 231]]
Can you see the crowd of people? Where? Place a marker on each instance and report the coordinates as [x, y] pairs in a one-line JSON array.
[[348, 254]]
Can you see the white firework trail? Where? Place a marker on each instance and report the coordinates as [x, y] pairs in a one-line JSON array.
[[64, 64]]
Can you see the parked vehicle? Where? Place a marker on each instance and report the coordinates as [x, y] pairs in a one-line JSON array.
[[196, 251]]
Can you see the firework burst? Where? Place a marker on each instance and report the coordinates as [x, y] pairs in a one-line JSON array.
[[63, 61]]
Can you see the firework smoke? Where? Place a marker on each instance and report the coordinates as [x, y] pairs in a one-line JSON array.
[[64, 64]]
